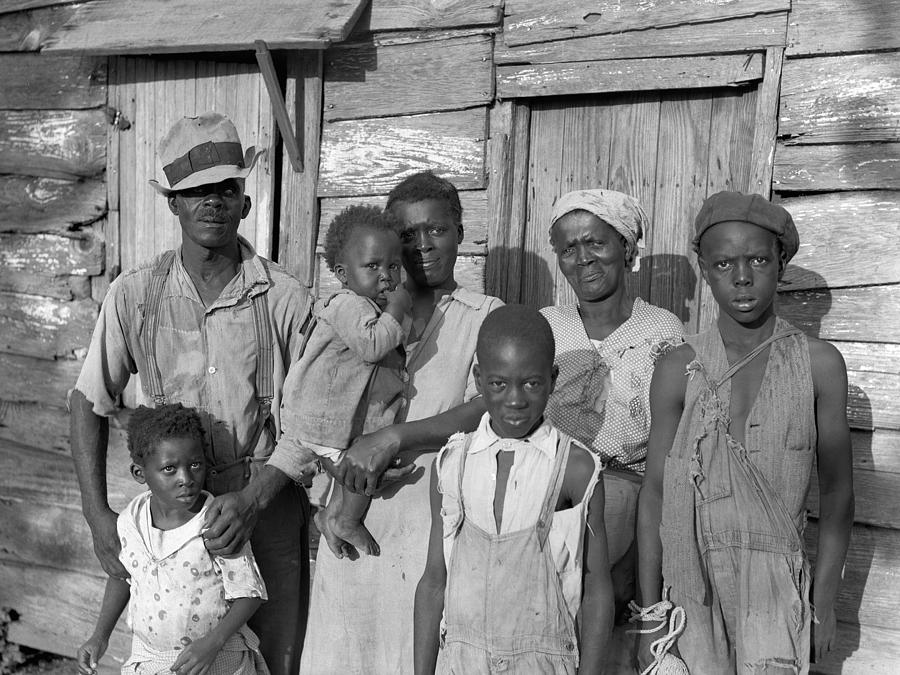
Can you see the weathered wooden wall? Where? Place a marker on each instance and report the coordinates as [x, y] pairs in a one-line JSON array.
[[53, 205], [418, 85], [837, 170]]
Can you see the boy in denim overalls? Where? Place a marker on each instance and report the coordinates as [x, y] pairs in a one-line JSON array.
[[517, 540], [740, 413]]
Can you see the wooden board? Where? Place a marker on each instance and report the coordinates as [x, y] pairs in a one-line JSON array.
[[846, 239], [24, 378], [870, 588], [366, 157], [877, 494], [877, 450], [856, 649], [762, 158], [540, 21], [681, 177], [40, 82], [365, 80], [299, 208], [745, 34], [44, 327], [872, 400], [57, 609], [29, 204], [474, 206], [21, 5], [47, 476], [52, 254], [818, 168], [582, 77], [840, 99], [823, 26], [385, 15], [53, 143], [28, 30], [184, 26], [853, 314], [35, 424]]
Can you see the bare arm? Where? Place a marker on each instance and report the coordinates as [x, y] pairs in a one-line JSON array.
[[115, 599], [666, 406], [366, 460], [198, 656], [429, 605], [835, 470], [598, 604], [89, 436]]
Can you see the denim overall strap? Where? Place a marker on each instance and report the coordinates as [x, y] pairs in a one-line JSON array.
[[545, 519], [752, 354]]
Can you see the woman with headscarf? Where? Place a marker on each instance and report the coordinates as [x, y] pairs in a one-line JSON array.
[[606, 348]]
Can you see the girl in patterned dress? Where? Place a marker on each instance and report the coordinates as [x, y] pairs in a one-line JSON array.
[[187, 609]]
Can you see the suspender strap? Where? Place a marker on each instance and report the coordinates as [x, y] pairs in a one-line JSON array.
[[152, 304], [265, 356], [545, 519], [459, 483]]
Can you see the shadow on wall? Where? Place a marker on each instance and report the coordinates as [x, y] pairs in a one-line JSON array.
[[806, 308], [667, 280], [517, 276]]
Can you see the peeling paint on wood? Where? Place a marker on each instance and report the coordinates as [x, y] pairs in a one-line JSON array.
[[38, 81], [539, 20], [53, 143], [365, 157], [585, 77], [745, 34], [363, 81], [474, 206], [44, 327], [853, 166], [840, 99], [846, 239], [29, 204], [51, 254]]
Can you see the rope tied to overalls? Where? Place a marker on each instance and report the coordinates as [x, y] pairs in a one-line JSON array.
[[663, 662]]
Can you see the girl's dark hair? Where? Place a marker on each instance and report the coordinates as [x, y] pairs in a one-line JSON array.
[[351, 219], [425, 185], [148, 426]]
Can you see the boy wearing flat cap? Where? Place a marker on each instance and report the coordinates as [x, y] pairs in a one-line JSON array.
[[741, 414], [215, 327]]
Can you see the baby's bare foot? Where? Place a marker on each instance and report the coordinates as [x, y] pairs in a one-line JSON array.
[[338, 546], [353, 531]]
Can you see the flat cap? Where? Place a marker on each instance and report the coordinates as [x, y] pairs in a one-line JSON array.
[[724, 207]]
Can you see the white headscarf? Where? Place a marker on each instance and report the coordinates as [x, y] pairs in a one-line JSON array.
[[620, 211]]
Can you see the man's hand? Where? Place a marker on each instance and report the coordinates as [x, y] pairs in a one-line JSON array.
[[229, 522], [106, 542], [363, 464], [824, 631]]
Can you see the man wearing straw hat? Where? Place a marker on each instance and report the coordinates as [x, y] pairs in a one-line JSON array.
[[213, 326]]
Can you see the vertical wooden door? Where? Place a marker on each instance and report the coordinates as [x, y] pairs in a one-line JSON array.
[[151, 95], [668, 149]]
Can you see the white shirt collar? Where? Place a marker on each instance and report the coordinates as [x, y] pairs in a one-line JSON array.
[[544, 438]]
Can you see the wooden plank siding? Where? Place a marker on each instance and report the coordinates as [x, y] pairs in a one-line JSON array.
[[365, 157], [846, 239], [744, 34], [28, 31], [841, 99], [585, 77], [49, 264], [37, 81], [421, 15], [49, 205], [367, 80], [528, 21], [53, 143], [854, 166], [828, 27]]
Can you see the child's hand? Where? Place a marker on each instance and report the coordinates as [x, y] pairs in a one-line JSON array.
[[197, 657], [399, 299], [90, 653]]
